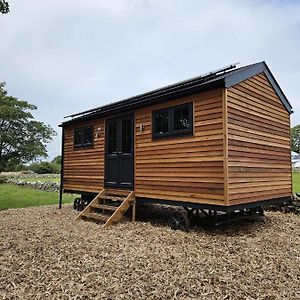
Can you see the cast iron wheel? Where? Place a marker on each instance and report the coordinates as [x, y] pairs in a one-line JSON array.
[[81, 204], [76, 203], [179, 221], [194, 212]]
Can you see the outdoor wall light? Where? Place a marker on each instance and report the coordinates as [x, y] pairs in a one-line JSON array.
[[98, 130], [141, 127]]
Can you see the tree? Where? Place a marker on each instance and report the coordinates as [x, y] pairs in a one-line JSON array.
[[295, 136], [22, 138], [4, 7], [295, 133], [57, 159]]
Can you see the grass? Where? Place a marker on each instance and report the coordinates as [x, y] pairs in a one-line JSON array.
[[296, 182], [35, 179], [12, 196]]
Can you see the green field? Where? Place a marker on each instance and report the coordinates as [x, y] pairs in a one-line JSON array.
[[52, 179], [296, 182], [12, 196]]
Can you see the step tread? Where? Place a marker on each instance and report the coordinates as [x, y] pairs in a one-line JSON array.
[[114, 198], [104, 206], [97, 217]]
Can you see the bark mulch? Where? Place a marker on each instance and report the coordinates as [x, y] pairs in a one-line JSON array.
[[45, 254]]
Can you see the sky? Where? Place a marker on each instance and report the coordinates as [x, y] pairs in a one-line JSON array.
[[66, 56]]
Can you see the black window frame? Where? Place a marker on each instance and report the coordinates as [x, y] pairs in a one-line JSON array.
[[83, 130], [172, 132]]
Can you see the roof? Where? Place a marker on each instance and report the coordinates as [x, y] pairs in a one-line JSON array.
[[225, 77]]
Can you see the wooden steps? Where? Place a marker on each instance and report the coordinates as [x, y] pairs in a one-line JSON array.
[[104, 207], [95, 217], [108, 207]]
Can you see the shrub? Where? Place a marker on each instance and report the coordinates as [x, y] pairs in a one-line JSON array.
[[20, 167], [45, 167]]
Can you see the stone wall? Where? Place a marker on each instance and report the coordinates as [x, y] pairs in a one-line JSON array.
[[47, 186]]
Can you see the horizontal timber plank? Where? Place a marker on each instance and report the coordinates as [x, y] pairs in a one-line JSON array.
[[247, 169], [191, 149], [274, 183], [257, 189], [256, 164], [258, 198], [235, 180], [258, 132], [180, 172], [265, 157], [240, 145], [179, 186], [195, 155], [255, 125], [180, 195], [255, 141], [175, 160], [250, 150], [256, 106], [187, 145], [205, 182], [240, 115], [258, 113]]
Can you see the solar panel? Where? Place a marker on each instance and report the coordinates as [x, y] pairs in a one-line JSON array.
[[201, 79]]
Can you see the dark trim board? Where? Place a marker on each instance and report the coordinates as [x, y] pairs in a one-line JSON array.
[[213, 207], [62, 167]]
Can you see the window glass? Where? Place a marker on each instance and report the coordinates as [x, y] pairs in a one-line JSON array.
[[173, 121], [78, 137], [87, 136], [126, 136], [161, 122], [182, 118], [83, 137], [112, 137]]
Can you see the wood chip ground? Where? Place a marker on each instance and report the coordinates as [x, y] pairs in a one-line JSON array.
[[45, 254]]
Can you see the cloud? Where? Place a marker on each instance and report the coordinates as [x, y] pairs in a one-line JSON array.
[[68, 56]]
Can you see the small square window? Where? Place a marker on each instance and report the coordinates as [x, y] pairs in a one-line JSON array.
[[83, 137], [161, 123], [182, 118]]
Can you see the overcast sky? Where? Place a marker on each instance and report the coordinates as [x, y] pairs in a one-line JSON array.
[[68, 56]]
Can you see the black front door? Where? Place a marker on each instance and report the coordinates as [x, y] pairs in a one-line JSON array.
[[119, 152]]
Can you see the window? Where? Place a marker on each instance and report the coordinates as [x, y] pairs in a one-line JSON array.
[[112, 137], [173, 121], [83, 137], [126, 136]]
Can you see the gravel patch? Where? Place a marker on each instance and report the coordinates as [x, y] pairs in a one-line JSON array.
[[45, 254]]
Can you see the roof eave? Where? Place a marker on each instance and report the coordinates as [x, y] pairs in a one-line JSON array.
[[123, 107]]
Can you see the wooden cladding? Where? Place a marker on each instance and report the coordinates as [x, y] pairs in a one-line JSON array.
[[182, 168], [84, 167], [237, 152], [258, 143]]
